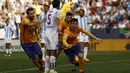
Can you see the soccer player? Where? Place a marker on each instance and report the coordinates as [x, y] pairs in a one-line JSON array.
[[63, 25], [51, 36], [42, 30], [28, 37], [8, 34], [70, 41], [83, 39]]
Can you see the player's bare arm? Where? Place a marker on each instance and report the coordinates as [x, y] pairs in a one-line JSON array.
[[91, 35]]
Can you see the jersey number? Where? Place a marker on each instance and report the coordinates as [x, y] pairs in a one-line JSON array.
[[49, 19]]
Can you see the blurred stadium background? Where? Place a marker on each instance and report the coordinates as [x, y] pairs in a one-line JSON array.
[[108, 19]]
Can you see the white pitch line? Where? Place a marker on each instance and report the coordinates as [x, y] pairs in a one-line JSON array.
[[66, 65]]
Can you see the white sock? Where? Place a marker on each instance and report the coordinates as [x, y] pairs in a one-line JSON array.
[[47, 63], [52, 64], [10, 51], [43, 54], [7, 51], [85, 52]]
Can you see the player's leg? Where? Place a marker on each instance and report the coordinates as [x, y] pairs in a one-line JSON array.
[[47, 61], [10, 50], [29, 50], [78, 51], [43, 52], [7, 49], [38, 52], [47, 57], [53, 48], [85, 51], [84, 46], [59, 50], [71, 56], [52, 61]]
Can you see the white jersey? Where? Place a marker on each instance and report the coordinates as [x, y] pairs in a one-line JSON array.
[[51, 33], [83, 23], [51, 20], [8, 32], [43, 27]]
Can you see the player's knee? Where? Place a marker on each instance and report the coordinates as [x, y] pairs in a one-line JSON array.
[[35, 61], [80, 55], [52, 59], [47, 58], [43, 50]]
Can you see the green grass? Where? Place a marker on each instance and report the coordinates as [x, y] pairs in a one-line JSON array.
[[101, 62]]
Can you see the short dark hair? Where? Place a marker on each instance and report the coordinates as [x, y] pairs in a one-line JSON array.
[[46, 5], [56, 3], [82, 10], [30, 9], [74, 20], [69, 14]]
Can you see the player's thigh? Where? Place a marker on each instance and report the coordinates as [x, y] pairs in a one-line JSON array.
[[70, 54], [53, 43], [47, 42], [77, 49], [8, 45], [60, 46], [29, 51], [37, 48]]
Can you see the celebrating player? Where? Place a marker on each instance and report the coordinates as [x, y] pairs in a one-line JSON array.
[[63, 25], [28, 37], [70, 41]]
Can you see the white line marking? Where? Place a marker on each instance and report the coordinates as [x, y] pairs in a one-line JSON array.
[[66, 65]]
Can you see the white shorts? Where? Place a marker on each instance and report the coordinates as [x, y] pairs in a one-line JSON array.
[[7, 40], [51, 39], [43, 38], [83, 38]]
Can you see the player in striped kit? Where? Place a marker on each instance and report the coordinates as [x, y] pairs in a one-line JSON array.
[[8, 27], [83, 39], [42, 31]]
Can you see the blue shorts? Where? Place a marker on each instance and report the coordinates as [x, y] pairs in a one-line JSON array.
[[31, 49], [60, 46], [71, 52]]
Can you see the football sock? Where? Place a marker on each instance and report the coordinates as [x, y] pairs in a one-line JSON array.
[[85, 51], [43, 54], [10, 51], [37, 63], [52, 64], [47, 63], [7, 51]]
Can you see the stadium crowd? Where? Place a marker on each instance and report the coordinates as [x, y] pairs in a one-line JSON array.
[[100, 13]]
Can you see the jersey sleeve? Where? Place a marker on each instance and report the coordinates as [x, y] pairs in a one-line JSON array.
[[57, 14], [87, 33], [24, 21], [65, 37], [42, 17]]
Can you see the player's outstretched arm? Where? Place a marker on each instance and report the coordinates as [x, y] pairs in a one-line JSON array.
[[91, 35], [34, 23]]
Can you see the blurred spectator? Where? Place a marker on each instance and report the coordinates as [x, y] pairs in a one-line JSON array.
[[18, 22]]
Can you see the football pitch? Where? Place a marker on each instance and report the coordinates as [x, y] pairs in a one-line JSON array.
[[101, 62]]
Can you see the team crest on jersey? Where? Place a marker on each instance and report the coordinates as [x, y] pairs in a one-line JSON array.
[[65, 35]]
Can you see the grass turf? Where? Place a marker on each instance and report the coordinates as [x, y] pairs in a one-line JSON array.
[[101, 62]]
